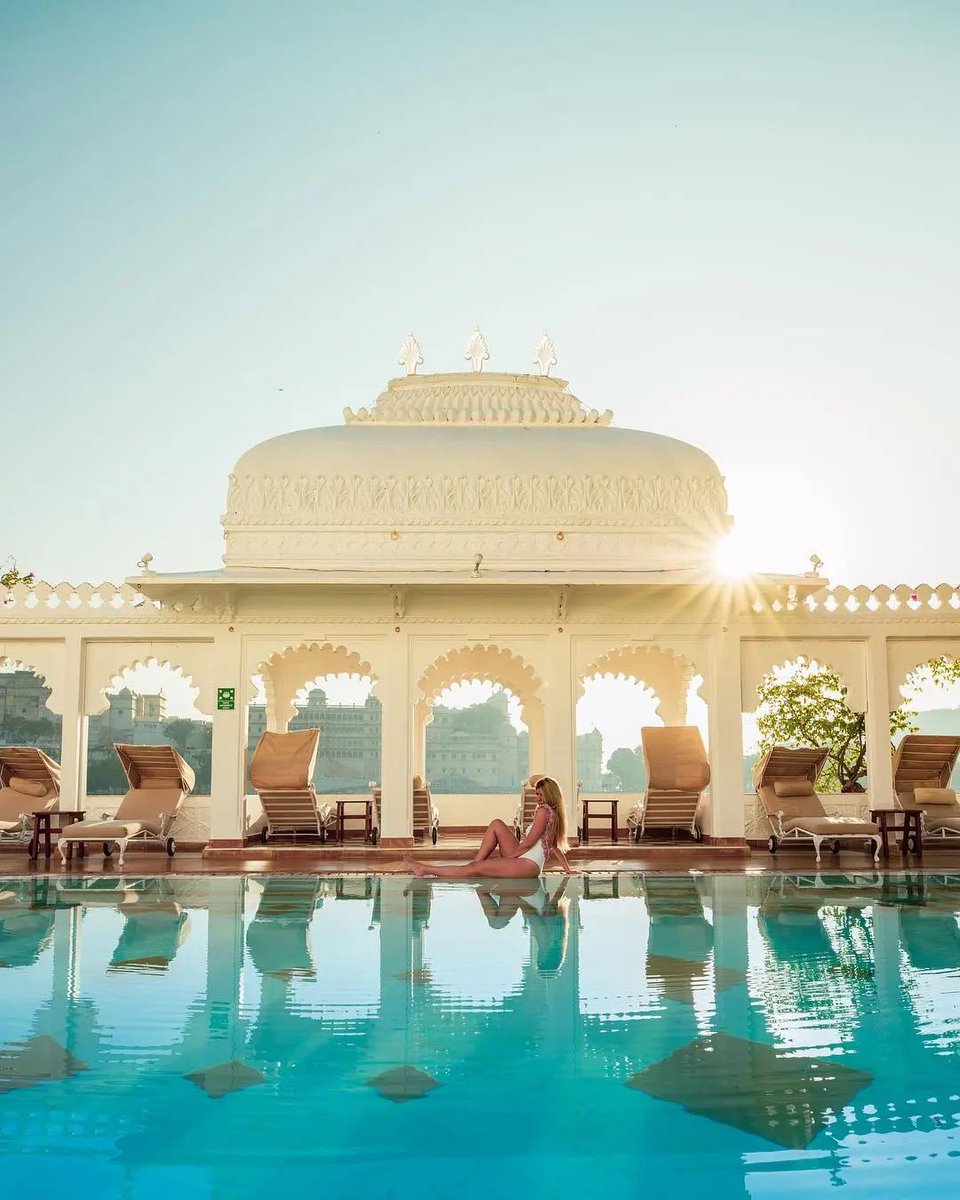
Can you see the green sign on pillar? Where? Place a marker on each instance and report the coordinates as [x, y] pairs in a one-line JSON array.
[[226, 699]]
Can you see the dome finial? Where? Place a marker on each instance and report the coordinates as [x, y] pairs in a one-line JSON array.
[[477, 350], [410, 356], [545, 356]]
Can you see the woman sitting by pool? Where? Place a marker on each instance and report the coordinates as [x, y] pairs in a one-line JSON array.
[[501, 856]]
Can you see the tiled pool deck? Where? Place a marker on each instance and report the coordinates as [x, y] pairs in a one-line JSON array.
[[598, 857]]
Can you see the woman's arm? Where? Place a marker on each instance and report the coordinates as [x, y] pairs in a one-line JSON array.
[[536, 832], [563, 860]]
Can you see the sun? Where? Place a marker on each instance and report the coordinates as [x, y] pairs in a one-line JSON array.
[[732, 559]]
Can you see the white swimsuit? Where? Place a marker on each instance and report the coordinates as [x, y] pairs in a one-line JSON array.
[[539, 851]]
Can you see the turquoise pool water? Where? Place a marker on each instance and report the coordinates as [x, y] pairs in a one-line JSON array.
[[621, 1035]]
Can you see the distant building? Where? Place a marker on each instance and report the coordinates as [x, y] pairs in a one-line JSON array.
[[23, 695]]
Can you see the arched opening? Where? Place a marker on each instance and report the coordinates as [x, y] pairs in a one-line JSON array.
[[931, 700], [25, 716], [478, 732], [150, 703]]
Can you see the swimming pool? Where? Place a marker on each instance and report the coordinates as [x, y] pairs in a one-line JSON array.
[[617, 1034]]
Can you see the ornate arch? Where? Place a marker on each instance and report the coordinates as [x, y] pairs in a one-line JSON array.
[[906, 657], [287, 670], [46, 659], [846, 658], [490, 663], [192, 661], [664, 670]]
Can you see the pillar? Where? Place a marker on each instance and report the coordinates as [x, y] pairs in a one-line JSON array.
[[73, 748], [536, 738], [559, 723], [879, 765], [726, 739], [422, 716], [396, 744], [673, 695], [228, 767]]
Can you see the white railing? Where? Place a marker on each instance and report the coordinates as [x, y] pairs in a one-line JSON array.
[[49, 599], [109, 599], [880, 601]]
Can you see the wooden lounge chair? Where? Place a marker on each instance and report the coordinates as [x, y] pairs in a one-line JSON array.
[[29, 783], [281, 772], [426, 817], [785, 780], [922, 767], [677, 774], [160, 780]]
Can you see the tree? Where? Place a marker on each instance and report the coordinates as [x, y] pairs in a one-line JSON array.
[[806, 706], [627, 766]]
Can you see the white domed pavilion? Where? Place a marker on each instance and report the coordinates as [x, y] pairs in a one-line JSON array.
[[471, 526]]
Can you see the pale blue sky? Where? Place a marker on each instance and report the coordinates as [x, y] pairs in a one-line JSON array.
[[737, 220]]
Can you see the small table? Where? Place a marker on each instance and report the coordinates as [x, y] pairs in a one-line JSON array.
[[910, 824], [42, 824], [366, 815], [595, 802]]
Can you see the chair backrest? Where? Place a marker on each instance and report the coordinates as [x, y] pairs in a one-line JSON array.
[[924, 760], [675, 758], [31, 764], [284, 761], [789, 763], [422, 804], [147, 805], [159, 767]]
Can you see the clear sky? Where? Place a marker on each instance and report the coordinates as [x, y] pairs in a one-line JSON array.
[[737, 220]]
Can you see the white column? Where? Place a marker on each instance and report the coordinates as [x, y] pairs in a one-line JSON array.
[[536, 738], [228, 761], [422, 716], [73, 748], [559, 722], [673, 696], [879, 764], [396, 744], [726, 738]]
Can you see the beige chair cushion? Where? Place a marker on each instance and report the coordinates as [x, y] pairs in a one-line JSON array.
[[793, 787], [284, 760], [147, 806], [106, 831], [831, 826], [28, 787], [934, 795], [933, 822], [793, 807], [156, 785]]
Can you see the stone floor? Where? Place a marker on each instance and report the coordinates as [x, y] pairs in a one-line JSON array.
[[599, 856]]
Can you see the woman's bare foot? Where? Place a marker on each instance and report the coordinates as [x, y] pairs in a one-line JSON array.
[[415, 868]]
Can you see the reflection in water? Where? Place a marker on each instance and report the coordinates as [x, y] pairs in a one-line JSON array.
[[232, 1035]]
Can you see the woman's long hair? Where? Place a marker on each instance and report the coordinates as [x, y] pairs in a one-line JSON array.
[[551, 795]]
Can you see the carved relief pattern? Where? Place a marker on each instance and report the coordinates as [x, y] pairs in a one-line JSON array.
[[479, 500], [477, 400]]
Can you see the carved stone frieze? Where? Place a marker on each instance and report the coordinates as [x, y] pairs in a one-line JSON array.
[[255, 500]]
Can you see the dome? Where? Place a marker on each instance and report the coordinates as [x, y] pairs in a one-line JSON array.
[[444, 468]]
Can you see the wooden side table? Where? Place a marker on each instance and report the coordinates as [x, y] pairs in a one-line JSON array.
[[42, 825], [366, 815], [909, 825], [611, 815]]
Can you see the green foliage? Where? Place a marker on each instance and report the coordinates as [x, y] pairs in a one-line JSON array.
[[807, 707], [11, 574], [627, 766]]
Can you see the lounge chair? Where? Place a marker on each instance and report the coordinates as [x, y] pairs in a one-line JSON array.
[[426, 817], [29, 783], [278, 937], [677, 774], [527, 805], [26, 929], [922, 767], [160, 780], [281, 772], [785, 779]]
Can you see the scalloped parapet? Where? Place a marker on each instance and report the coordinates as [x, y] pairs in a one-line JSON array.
[[477, 399]]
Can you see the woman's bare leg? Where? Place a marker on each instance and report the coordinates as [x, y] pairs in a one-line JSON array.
[[489, 868], [499, 836]]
